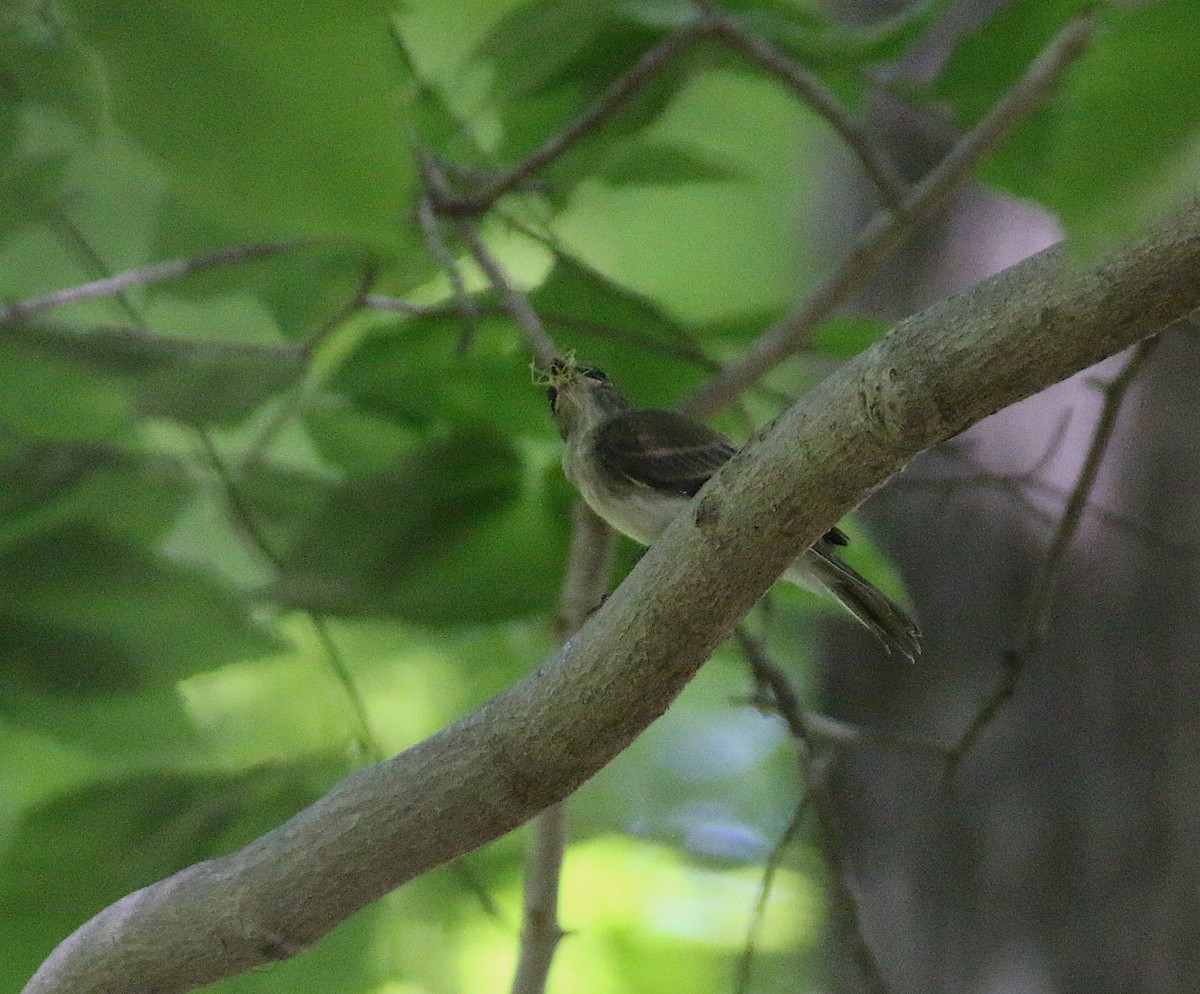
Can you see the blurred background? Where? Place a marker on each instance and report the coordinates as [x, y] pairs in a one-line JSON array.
[[286, 506]]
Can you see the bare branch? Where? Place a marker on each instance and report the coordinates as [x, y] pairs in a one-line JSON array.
[[543, 347], [535, 743], [823, 728], [742, 976], [608, 103], [811, 91], [589, 566], [156, 273], [769, 676], [382, 302], [540, 931], [884, 233], [845, 897], [1039, 603], [1038, 606], [431, 231], [813, 727]]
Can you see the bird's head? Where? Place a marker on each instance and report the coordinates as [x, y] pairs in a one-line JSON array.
[[579, 395]]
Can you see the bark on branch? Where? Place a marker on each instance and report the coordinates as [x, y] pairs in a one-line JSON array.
[[531, 746]]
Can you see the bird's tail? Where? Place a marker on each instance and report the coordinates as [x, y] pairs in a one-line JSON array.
[[821, 570]]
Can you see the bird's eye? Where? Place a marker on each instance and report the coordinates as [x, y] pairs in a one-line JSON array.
[[552, 393], [595, 373]]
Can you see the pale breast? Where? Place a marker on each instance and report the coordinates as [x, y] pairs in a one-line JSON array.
[[631, 508]]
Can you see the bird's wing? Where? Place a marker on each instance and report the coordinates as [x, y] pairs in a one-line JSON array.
[[835, 536], [661, 449], [666, 450]]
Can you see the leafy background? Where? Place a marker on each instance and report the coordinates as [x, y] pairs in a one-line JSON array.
[[252, 537]]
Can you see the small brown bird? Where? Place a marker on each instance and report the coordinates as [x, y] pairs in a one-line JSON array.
[[637, 468]]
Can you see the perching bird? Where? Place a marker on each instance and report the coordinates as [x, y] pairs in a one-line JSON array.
[[638, 467]]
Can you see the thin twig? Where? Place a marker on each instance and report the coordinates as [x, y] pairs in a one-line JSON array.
[[652, 62], [588, 567], [1038, 605], [382, 302], [742, 975], [846, 896], [887, 229], [812, 726], [811, 91], [292, 403], [1119, 522], [515, 303], [372, 750], [351, 306], [435, 240], [70, 233], [767, 673], [245, 519], [847, 736], [145, 275], [540, 930]]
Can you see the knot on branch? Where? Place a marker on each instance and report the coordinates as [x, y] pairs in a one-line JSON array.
[[883, 396]]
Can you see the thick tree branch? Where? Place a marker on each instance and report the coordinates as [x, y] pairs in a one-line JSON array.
[[534, 744]]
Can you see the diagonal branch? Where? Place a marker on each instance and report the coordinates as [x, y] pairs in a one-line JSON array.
[[515, 303], [1038, 605], [809, 88], [884, 233], [532, 745], [156, 273], [844, 893], [608, 103]]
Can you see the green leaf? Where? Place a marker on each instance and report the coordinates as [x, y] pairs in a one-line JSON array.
[[49, 485], [837, 51], [666, 163], [130, 832], [378, 533], [52, 398], [98, 614], [987, 61], [1115, 146], [603, 321], [844, 338], [551, 59], [1128, 130], [411, 375], [194, 381], [51, 100], [146, 725], [274, 120], [434, 122], [509, 566]]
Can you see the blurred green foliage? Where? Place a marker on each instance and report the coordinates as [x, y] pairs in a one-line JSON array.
[[198, 474]]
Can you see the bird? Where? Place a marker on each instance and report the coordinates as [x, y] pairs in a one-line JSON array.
[[637, 468]]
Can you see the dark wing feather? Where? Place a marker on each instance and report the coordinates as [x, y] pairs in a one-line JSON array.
[[662, 449], [835, 536], [666, 450]]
